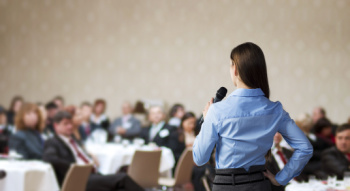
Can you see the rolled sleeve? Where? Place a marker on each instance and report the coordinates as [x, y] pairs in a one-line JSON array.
[[302, 149], [206, 139]]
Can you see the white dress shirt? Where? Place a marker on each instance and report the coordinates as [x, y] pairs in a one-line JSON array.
[[155, 129], [66, 140]]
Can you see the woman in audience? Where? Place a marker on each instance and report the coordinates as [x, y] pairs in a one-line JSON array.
[[187, 134], [98, 117], [176, 113], [140, 113], [304, 122], [5, 131], [85, 126], [15, 105], [28, 141]]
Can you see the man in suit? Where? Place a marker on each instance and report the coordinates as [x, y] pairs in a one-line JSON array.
[[159, 132], [336, 160], [126, 126], [62, 150]]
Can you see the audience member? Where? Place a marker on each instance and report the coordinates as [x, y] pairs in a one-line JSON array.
[[126, 126], [47, 133], [51, 110], [98, 118], [279, 158], [159, 132], [176, 113], [323, 131], [15, 106], [28, 141], [335, 160], [186, 135], [318, 113], [313, 167], [5, 131], [140, 113], [59, 101], [63, 150], [76, 121], [85, 127]]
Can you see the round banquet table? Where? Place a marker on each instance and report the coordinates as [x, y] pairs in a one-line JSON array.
[[27, 176], [316, 186], [112, 156]]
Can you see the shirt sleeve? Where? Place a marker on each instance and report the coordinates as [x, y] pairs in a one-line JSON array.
[[206, 139], [302, 149]]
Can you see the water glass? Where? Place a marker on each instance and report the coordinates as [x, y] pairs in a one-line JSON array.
[[117, 139], [331, 181], [312, 179], [347, 180]]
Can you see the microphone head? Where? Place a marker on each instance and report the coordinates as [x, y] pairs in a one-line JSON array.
[[221, 93]]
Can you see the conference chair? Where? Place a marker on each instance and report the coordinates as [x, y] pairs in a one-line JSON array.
[[76, 178], [183, 171], [144, 168]]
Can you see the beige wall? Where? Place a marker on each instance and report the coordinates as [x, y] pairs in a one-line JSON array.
[[176, 51]]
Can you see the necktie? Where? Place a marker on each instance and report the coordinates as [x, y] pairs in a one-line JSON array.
[[87, 129], [80, 155], [282, 157]]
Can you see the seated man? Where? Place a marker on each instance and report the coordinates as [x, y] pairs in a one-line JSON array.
[[62, 150], [126, 126], [336, 160], [159, 132]]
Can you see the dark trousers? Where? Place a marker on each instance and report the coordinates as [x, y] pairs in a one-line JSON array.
[[119, 181], [241, 180]]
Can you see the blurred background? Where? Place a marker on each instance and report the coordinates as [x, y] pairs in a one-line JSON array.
[[173, 51]]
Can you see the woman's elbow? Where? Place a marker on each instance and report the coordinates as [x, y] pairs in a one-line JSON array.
[[199, 161], [309, 150]]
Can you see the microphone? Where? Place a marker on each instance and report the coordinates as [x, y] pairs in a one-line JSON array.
[[220, 94]]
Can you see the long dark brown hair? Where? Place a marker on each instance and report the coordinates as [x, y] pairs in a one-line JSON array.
[[251, 66]]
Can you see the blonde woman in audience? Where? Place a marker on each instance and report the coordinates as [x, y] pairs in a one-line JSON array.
[[304, 122], [28, 141], [85, 127]]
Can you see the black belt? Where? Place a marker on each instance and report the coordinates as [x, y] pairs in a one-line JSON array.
[[239, 176]]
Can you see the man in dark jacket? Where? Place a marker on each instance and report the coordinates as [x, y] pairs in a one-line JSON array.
[[62, 150], [160, 133], [336, 160]]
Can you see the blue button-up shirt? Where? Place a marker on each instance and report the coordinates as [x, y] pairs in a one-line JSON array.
[[242, 127]]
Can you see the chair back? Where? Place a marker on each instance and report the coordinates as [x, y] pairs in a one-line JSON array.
[[76, 178], [183, 171], [144, 168]]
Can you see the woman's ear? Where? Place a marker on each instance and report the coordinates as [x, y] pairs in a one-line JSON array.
[[234, 68]]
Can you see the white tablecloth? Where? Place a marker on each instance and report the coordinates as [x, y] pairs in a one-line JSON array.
[[28, 176], [317, 186], [112, 156]]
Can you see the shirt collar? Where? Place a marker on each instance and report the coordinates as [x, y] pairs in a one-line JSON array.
[[159, 125], [242, 92]]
